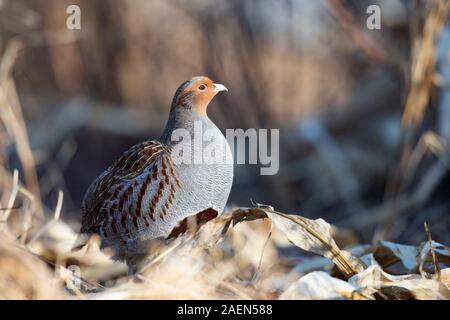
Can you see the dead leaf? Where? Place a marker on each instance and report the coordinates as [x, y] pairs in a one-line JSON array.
[[442, 252], [394, 293], [315, 236], [310, 235], [374, 279], [388, 254], [318, 285]]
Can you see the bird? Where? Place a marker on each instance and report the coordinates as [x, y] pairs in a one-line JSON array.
[[149, 192]]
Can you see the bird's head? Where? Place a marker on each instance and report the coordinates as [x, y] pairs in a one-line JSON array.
[[195, 94]]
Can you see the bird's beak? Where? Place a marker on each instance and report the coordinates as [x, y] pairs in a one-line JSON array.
[[219, 87]]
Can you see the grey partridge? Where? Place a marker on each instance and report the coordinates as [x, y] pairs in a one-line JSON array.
[[148, 192]]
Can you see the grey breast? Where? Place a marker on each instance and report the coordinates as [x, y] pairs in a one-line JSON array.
[[206, 184]]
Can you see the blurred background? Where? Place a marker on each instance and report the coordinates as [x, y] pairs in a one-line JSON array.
[[364, 115]]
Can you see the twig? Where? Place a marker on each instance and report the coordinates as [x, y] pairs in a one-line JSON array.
[[12, 198], [437, 268], [257, 271], [51, 222], [12, 208]]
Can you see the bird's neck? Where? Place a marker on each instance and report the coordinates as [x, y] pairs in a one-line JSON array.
[[184, 119]]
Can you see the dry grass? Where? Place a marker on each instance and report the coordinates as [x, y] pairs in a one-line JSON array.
[[242, 254], [235, 256]]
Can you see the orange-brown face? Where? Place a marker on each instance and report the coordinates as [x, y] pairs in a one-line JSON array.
[[198, 93]]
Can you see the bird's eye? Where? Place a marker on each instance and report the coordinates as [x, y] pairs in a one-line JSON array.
[[202, 87]]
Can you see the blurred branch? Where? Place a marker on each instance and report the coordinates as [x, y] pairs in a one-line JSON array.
[[79, 114], [334, 159], [403, 203], [365, 42]]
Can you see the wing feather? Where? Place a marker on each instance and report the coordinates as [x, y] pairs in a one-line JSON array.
[[131, 164]]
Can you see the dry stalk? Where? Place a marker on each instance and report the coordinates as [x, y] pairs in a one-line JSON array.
[[424, 64], [12, 118]]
